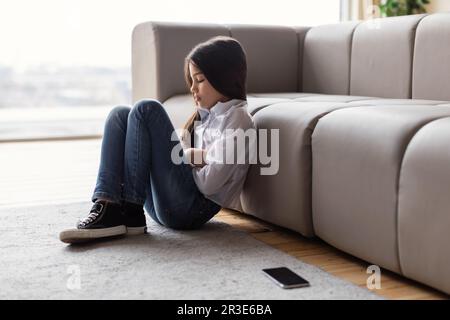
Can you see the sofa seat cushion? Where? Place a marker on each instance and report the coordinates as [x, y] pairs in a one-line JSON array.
[[332, 98], [181, 107], [357, 155], [255, 104], [316, 97], [283, 95], [412, 102], [285, 197], [423, 209]]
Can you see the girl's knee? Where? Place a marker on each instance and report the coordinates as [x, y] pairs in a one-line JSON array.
[[119, 112], [148, 105]]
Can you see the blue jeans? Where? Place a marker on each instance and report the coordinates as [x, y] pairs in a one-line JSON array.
[[136, 166]]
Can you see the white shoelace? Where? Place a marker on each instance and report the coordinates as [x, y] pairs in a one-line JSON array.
[[95, 211]]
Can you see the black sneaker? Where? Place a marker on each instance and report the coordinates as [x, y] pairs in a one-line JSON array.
[[104, 220], [134, 218]]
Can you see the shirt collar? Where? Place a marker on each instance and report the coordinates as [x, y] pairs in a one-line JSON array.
[[218, 108], [222, 107], [203, 112]]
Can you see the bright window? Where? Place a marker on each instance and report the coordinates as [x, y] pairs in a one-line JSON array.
[[97, 32], [77, 53]]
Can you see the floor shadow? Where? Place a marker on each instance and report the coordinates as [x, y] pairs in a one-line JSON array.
[[146, 240], [108, 242]]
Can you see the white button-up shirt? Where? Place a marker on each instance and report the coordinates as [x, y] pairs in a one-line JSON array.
[[219, 180]]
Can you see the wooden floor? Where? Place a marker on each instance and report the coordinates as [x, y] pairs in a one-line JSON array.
[[64, 171], [318, 253]]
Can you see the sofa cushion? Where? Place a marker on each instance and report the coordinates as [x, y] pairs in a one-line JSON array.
[[158, 53], [380, 102], [333, 98], [382, 54], [181, 107], [423, 208], [313, 97], [283, 95], [285, 197], [255, 104], [301, 34], [432, 58], [357, 154], [272, 56], [326, 58]]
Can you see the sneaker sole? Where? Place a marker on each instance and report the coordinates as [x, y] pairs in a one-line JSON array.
[[82, 235], [134, 231]]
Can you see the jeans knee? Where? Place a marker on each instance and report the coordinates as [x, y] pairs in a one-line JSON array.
[[119, 113], [147, 106]]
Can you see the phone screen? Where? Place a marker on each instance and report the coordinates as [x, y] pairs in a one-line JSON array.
[[285, 277]]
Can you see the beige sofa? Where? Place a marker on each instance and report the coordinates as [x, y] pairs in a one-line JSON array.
[[363, 110]]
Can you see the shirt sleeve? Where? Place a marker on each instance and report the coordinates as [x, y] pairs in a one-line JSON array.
[[224, 159], [212, 177]]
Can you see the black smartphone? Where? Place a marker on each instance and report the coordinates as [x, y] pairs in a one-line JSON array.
[[285, 278]]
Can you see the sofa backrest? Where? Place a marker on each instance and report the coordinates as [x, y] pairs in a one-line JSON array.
[[159, 49], [431, 68], [326, 58], [382, 54], [158, 52], [272, 57], [400, 57]]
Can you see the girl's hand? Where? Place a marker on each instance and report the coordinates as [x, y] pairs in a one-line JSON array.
[[196, 156]]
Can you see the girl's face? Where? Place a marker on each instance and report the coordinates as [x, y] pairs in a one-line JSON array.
[[205, 95]]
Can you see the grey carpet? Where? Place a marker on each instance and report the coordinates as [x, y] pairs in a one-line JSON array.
[[215, 262]]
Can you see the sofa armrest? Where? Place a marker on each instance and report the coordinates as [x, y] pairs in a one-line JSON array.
[[158, 52]]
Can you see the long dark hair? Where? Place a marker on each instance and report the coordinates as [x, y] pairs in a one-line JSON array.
[[223, 62]]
